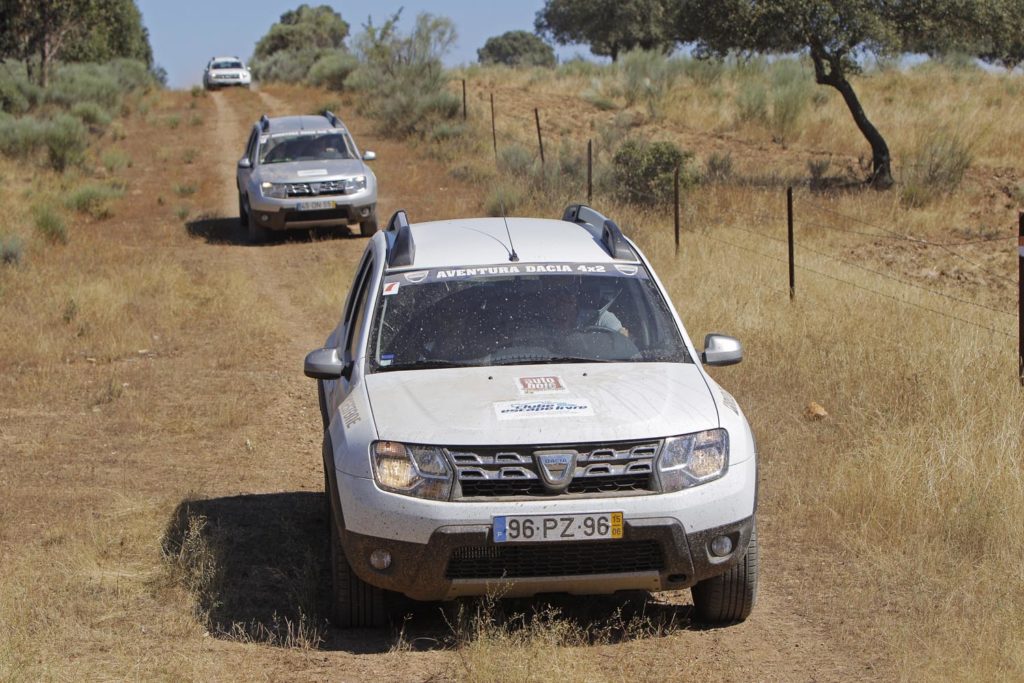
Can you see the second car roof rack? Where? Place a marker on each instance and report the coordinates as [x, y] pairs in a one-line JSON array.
[[264, 123], [603, 228], [335, 121], [401, 248]]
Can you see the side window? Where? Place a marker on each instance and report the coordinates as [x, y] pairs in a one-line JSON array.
[[356, 314]]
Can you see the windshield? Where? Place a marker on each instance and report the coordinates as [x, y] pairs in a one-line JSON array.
[[229, 64], [519, 314], [306, 146]]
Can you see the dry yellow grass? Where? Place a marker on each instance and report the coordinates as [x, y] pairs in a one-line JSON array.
[[890, 526]]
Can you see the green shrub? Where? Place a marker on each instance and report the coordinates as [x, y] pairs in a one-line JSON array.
[[331, 69], [93, 200], [752, 102], [185, 189], [114, 160], [936, 166], [21, 137], [515, 160], [195, 120], [791, 90], [580, 67], [173, 121], [74, 83], [503, 200], [198, 91], [596, 98], [646, 76], [66, 140], [11, 250], [447, 130], [704, 72], [181, 213], [18, 95], [189, 155], [50, 225], [287, 66], [91, 114], [117, 131], [644, 170]]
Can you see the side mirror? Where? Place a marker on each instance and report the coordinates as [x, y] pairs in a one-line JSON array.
[[244, 163], [369, 156], [325, 364], [720, 349]]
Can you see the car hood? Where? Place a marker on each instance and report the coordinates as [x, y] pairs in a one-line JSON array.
[[541, 403], [311, 171]]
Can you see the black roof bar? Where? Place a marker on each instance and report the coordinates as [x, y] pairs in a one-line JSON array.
[[402, 250], [335, 121], [264, 123], [602, 228]]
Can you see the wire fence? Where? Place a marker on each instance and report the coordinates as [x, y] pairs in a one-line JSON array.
[[816, 216]]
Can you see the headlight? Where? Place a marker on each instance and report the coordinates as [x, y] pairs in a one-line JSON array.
[[354, 184], [420, 471], [275, 190], [693, 459]]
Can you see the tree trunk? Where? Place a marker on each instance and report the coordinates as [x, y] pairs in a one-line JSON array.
[[881, 163]]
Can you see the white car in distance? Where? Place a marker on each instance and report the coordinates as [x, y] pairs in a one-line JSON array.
[[222, 72], [513, 407]]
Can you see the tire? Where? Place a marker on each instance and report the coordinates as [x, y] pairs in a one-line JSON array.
[[257, 233], [368, 228], [729, 597], [354, 603]]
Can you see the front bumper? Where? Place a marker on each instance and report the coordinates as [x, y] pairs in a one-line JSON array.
[[654, 554], [284, 217]]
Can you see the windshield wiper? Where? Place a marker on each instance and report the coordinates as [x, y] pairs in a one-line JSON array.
[[425, 364], [559, 359]]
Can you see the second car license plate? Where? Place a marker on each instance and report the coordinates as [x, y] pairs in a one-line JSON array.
[[537, 528], [315, 206]]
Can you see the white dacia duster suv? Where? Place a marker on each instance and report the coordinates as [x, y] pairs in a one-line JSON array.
[[513, 407]]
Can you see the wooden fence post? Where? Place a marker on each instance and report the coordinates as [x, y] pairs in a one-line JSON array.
[[540, 140], [789, 226], [590, 171], [676, 184], [494, 131], [463, 99]]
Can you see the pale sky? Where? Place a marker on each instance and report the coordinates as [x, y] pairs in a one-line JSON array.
[[186, 33]]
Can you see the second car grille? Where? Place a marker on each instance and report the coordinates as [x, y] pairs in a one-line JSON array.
[[326, 187], [512, 471], [554, 559]]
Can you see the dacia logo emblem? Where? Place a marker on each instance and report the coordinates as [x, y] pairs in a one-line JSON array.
[[314, 188], [556, 469]]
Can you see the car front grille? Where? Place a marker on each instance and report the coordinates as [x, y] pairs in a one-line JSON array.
[[327, 187], [554, 559], [513, 471]]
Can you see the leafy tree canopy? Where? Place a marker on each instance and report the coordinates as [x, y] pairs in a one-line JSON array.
[[610, 27], [516, 48], [304, 28]]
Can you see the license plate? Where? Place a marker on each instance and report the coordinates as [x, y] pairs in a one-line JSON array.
[[540, 528], [315, 206]]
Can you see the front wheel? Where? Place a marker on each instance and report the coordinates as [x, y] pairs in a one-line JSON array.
[[368, 228], [729, 597], [354, 603]]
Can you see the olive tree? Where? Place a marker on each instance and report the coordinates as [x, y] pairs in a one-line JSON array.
[[834, 33], [609, 27], [516, 48]]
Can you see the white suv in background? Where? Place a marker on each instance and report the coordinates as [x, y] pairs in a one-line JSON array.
[[513, 407], [225, 71]]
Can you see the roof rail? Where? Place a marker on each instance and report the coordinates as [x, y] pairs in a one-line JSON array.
[[602, 228], [401, 248], [335, 121], [264, 123]]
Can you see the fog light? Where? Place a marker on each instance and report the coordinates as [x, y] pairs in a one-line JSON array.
[[364, 212], [721, 546], [265, 217], [380, 559]]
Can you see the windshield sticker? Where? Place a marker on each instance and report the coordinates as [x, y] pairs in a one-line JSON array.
[[350, 413], [263, 139], [463, 273], [391, 288], [540, 385], [386, 359], [312, 172], [523, 410]]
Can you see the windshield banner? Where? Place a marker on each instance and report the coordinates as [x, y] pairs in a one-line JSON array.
[[416, 277]]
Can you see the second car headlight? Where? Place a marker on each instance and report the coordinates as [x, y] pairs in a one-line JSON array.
[[275, 190], [420, 471], [693, 459], [354, 184]]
